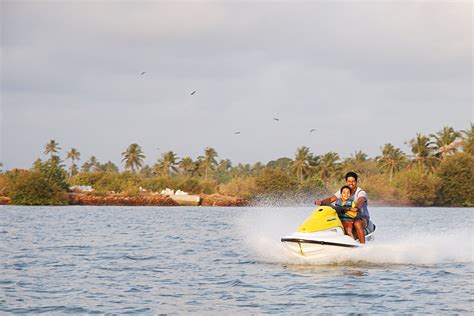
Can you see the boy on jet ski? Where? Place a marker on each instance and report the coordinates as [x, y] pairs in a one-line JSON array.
[[360, 197], [348, 209]]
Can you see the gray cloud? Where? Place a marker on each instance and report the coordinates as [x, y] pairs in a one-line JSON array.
[[362, 74]]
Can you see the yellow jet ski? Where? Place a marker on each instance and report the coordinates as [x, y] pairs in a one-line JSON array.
[[323, 233]]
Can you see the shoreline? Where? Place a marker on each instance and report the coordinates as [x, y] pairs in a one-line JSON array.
[[148, 200], [217, 200]]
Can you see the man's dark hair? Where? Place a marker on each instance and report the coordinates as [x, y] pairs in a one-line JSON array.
[[351, 174]]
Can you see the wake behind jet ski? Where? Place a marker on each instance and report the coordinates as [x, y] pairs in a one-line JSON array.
[[323, 233]]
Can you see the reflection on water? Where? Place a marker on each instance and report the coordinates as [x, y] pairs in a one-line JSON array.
[[324, 272], [208, 260]]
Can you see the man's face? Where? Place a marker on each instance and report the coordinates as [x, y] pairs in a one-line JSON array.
[[351, 183]]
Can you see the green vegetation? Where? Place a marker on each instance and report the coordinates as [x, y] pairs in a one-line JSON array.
[[438, 171], [456, 174], [43, 185]]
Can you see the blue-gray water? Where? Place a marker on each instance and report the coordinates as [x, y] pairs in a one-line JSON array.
[[150, 260]]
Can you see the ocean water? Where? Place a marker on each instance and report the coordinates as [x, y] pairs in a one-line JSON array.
[[180, 260]]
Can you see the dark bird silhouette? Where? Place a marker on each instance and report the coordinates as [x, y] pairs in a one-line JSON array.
[[312, 130], [237, 133], [276, 119], [143, 72], [193, 93]]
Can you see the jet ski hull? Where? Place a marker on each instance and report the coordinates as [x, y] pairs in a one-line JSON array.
[[313, 250], [323, 243], [318, 244]]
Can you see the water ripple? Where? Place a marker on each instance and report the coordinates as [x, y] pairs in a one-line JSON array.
[[144, 260]]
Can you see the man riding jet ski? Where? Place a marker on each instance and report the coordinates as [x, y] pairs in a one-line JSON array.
[[324, 228]]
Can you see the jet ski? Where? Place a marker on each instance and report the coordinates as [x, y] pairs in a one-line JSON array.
[[323, 233]]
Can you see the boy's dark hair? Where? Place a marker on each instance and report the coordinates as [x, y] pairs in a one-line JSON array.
[[344, 187], [351, 174]]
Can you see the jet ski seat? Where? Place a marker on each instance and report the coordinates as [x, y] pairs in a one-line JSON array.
[[370, 228]]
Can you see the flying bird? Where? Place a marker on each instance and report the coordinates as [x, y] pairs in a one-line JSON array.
[[193, 93], [312, 130], [237, 133], [143, 72], [276, 119]]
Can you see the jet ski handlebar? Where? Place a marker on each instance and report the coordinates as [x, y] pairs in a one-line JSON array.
[[339, 209]]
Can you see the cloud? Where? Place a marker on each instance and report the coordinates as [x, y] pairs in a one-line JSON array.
[[355, 71]]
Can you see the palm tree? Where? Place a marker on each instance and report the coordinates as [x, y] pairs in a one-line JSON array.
[[392, 160], [167, 163], [445, 142], [359, 156], [468, 140], [74, 155], [109, 166], [208, 161], [356, 159], [301, 165], [133, 157], [187, 166], [241, 170], [327, 166], [422, 148], [224, 165], [92, 164], [51, 148]]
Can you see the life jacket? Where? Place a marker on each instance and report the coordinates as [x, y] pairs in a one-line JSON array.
[[348, 203]]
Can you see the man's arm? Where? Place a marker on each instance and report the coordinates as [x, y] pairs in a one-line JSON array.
[[360, 202], [326, 200]]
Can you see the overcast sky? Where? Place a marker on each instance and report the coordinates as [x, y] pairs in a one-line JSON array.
[[361, 73]]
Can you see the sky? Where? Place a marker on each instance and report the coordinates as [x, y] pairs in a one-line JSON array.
[[362, 74]]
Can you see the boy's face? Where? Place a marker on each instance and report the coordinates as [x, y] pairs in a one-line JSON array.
[[346, 194]]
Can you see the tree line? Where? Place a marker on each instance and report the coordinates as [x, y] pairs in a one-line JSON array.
[[438, 171]]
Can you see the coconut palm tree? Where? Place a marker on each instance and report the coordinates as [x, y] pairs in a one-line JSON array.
[[167, 163], [109, 166], [445, 142], [74, 155], [301, 165], [422, 149], [468, 140], [241, 170], [328, 166], [51, 148], [222, 172], [208, 161], [224, 165], [187, 165], [133, 157], [92, 164], [359, 156], [392, 160]]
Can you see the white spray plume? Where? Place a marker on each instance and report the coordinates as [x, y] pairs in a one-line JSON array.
[[262, 228]]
